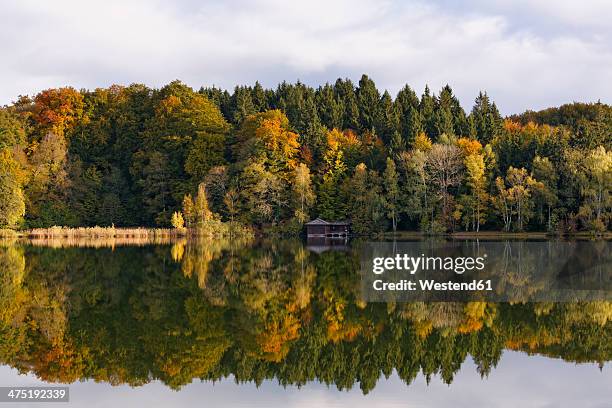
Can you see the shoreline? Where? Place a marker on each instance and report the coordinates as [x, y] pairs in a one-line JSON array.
[[146, 232], [499, 234]]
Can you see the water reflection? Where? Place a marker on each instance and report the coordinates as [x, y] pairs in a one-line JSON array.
[[255, 310]]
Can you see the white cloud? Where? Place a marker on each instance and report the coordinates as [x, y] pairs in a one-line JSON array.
[[526, 54]]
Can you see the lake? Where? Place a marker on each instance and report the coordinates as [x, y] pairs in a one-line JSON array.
[[277, 322]]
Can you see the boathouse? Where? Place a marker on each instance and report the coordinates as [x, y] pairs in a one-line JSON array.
[[322, 228]]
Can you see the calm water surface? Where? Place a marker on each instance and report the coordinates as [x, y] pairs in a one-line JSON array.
[[275, 323]]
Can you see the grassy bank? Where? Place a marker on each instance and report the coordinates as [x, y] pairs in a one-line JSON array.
[[8, 234], [98, 232], [59, 237], [211, 229]]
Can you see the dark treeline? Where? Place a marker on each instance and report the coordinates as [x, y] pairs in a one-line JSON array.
[[130, 315], [275, 158]]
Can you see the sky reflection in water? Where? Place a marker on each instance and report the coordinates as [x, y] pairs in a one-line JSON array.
[[518, 380]]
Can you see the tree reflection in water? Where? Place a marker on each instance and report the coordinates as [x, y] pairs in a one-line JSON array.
[[256, 310]]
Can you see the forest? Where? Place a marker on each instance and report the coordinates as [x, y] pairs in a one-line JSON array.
[[273, 159]]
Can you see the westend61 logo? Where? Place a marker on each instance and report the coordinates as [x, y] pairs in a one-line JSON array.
[[411, 264], [496, 271]]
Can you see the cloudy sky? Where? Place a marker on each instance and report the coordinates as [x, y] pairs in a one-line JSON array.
[[527, 54]]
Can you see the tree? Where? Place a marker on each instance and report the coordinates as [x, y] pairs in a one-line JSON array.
[[200, 207], [345, 90], [216, 181], [397, 145], [406, 105], [57, 110], [392, 193], [545, 172], [242, 105], [259, 97], [207, 151], [12, 132], [387, 123], [330, 107], [266, 137], [415, 199], [177, 220], [47, 183], [422, 142], [189, 210], [359, 205], [596, 209], [366, 203], [12, 201], [231, 203], [427, 113], [475, 202], [330, 203], [262, 194], [486, 119], [445, 170], [469, 146], [303, 194], [368, 99], [514, 197], [516, 145], [443, 117], [153, 177], [472, 205]]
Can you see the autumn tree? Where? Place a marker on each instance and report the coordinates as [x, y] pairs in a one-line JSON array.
[[267, 137], [422, 142], [596, 210], [445, 170], [12, 131], [303, 194], [177, 220], [190, 131], [57, 110], [189, 211], [514, 199], [200, 207], [474, 203], [12, 200], [48, 179], [392, 193], [262, 194], [330, 203]]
